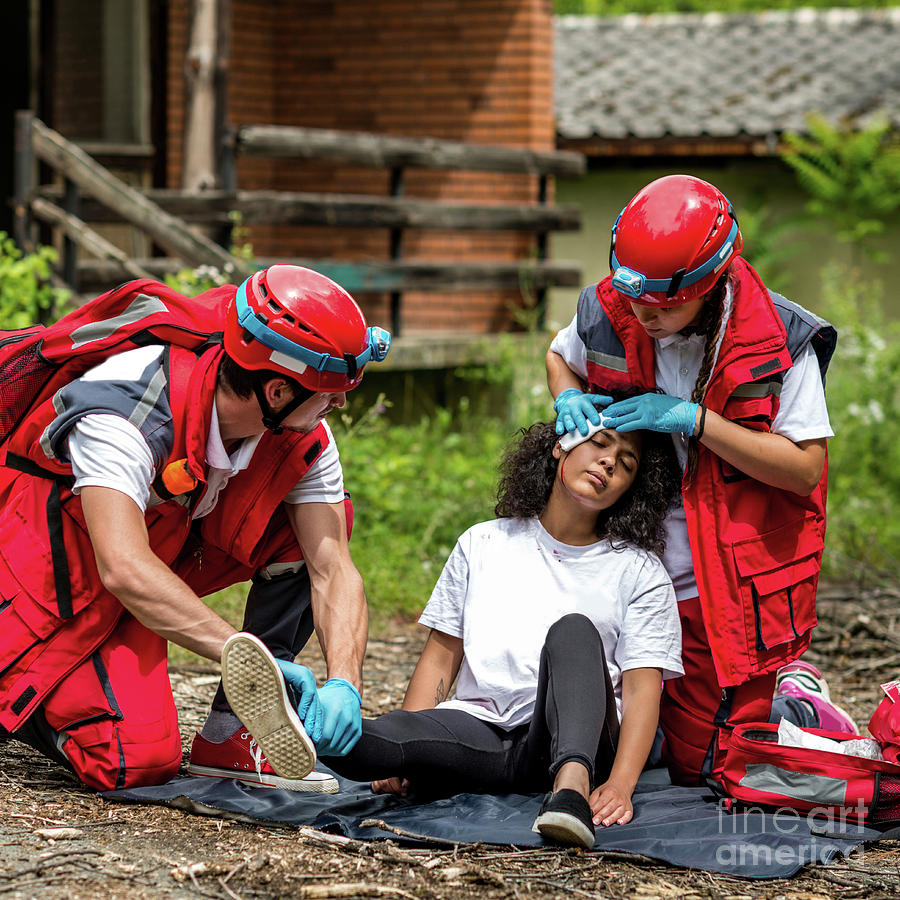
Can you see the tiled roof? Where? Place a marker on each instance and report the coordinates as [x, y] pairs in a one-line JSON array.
[[723, 75]]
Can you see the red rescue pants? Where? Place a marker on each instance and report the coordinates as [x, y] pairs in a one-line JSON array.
[[112, 717], [114, 713], [696, 714]]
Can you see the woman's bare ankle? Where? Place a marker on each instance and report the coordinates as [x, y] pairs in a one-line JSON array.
[[573, 776]]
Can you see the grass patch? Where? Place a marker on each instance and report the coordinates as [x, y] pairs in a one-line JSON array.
[[863, 540]]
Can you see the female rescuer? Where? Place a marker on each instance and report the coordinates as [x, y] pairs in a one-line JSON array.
[[736, 374]]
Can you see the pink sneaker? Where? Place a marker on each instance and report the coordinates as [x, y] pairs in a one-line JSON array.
[[805, 682], [240, 757]]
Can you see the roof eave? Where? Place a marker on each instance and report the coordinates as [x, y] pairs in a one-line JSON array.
[[704, 145]]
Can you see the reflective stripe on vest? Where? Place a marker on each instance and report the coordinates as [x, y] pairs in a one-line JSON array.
[[142, 306]]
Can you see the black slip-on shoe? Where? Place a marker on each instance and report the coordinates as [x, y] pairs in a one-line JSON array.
[[565, 817]]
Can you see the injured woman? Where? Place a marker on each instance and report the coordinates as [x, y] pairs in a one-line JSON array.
[[558, 623]]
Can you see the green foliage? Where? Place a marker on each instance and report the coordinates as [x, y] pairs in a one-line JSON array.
[[646, 7], [517, 366], [863, 540], [26, 295], [852, 177], [770, 242], [415, 489], [191, 282]]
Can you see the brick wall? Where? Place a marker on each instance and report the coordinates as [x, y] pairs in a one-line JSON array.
[[471, 70], [77, 94]]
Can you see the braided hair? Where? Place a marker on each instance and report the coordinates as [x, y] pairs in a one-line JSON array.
[[710, 324]]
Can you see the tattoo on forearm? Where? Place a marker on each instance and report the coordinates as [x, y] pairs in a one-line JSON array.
[[440, 692]]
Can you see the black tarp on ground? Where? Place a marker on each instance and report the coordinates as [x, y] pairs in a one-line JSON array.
[[682, 826]]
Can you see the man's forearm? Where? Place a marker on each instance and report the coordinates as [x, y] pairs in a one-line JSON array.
[[142, 582], [338, 599], [342, 625], [162, 602]]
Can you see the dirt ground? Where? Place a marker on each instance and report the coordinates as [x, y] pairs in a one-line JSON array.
[[60, 840]]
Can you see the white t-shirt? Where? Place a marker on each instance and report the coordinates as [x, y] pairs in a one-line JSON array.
[[802, 415], [507, 581], [106, 450]]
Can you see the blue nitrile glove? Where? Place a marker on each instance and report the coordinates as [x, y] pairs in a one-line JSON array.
[[342, 718], [303, 684], [574, 409], [654, 412]]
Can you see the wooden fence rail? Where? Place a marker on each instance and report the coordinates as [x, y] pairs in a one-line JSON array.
[[383, 276], [174, 219], [386, 152], [169, 232], [341, 210]]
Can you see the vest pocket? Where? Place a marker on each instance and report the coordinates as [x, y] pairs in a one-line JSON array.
[[33, 572], [777, 576], [19, 638], [784, 603]]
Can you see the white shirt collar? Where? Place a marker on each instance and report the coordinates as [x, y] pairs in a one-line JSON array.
[[679, 338], [217, 456]]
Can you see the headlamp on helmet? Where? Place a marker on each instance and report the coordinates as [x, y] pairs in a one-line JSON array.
[[635, 284], [379, 343], [310, 310], [677, 224], [627, 281]]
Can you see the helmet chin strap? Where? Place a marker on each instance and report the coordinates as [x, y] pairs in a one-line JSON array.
[[271, 419]]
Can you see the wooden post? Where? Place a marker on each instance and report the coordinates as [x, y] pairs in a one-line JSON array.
[[228, 159], [542, 246], [223, 136], [228, 177], [396, 253], [23, 180], [199, 171], [70, 248]]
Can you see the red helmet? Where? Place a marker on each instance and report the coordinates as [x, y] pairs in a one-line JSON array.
[[672, 241], [298, 322]]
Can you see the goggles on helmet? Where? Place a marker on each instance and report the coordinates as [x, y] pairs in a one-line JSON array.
[[635, 284], [379, 342]]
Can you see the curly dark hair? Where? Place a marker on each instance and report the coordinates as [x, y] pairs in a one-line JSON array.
[[528, 470]]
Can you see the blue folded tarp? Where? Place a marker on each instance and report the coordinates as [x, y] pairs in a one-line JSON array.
[[683, 826]]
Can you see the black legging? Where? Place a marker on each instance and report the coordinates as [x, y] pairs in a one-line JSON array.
[[448, 751]]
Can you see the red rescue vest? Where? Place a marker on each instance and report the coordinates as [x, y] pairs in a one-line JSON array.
[[60, 611], [756, 549]]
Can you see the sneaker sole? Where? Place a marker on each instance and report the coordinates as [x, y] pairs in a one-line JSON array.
[[257, 694], [564, 829], [304, 785]]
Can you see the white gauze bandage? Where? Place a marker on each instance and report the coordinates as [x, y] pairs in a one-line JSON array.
[[573, 438]]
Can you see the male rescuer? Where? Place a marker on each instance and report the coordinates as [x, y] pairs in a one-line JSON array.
[[188, 462]]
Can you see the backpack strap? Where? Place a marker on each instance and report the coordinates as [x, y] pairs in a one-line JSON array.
[[58, 557]]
